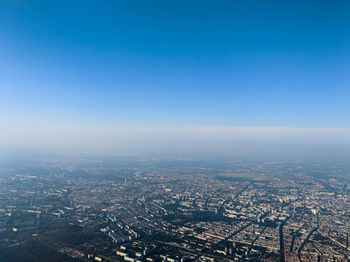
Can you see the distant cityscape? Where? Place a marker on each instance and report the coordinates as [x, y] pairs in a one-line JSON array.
[[174, 131], [144, 209]]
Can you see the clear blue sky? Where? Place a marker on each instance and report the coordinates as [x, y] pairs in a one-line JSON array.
[[176, 63]]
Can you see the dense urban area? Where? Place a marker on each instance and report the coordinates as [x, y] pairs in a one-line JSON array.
[[144, 209]]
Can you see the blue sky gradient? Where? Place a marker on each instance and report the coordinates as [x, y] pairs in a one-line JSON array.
[[175, 63]]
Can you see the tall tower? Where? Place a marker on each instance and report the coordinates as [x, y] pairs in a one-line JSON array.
[[125, 181], [294, 206], [37, 219]]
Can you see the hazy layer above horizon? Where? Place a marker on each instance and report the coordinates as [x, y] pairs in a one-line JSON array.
[[237, 141]]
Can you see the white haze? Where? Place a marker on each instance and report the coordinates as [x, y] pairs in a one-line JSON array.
[[254, 141]]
